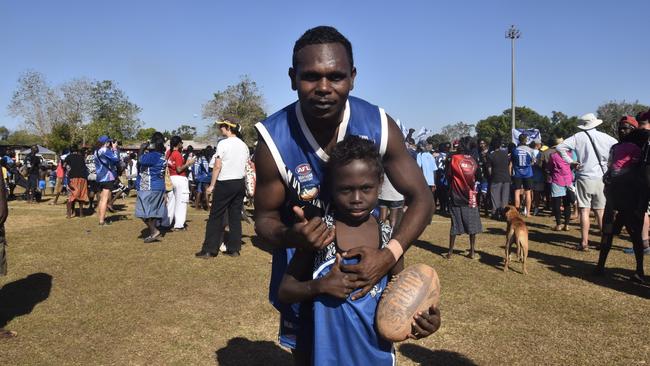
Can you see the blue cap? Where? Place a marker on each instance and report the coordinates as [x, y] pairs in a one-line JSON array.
[[104, 139]]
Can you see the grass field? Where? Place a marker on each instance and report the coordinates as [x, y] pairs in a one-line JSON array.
[[80, 294]]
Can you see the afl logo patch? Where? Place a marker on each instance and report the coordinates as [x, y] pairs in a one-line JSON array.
[[303, 169]]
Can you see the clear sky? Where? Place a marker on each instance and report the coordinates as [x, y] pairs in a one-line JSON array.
[[428, 63]]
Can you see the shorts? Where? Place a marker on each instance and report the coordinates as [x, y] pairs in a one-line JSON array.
[[390, 204], [106, 185], [465, 220], [558, 190], [591, 193], [539, 186], [41, 185], [525, 183]]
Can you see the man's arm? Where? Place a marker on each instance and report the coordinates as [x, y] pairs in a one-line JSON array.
[[407, 178], [270, 199], [564, 147], [215, 174]]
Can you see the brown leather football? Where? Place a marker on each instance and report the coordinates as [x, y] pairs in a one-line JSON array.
[[414, 289]]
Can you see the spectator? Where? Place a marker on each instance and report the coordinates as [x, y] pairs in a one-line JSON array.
[[561, 179], [4, 212], [32, 163], [106, 158], [391, 204], [179, 196], [522, 173], [60, 174], [150, 184], [428, 166], [228, 180], [591, 147], [625, 192], [538, 177], [78, 185], [202, 177], [465, 218], [482, 177], [498, 167], [132, 170], [93, 187], [442, 184]]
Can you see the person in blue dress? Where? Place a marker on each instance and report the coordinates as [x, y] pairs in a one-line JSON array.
[[150, 184], [344, 331]]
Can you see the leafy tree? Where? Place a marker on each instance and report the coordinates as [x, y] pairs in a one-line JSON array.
[[4, 133], [185, 132], [34, 101], [62, 137], [144, 134], [494, 126], [611, 112], [243, 101], [457, 130], [111, 113], [23, 137], [437, 139]]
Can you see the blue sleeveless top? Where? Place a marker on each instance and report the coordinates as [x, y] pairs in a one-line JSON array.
[[344, 330], [300, 162]]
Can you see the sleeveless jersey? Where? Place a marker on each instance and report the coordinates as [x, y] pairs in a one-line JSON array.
[[344, 330], [300, 162]]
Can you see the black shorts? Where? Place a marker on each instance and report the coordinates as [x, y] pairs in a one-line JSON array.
[[390, 204], [525, 183], [107, 185]]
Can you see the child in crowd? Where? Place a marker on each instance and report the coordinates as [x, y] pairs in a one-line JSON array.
[[344, 330]]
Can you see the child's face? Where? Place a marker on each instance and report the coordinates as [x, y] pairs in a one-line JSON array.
[[355, 190]]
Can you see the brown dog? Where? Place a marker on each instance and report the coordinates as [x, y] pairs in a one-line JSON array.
[[516, 232]]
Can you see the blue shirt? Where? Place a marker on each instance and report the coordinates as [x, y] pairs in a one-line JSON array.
[[344, 330], [427, 163], [106, 164], [151, 172], [522, 162]]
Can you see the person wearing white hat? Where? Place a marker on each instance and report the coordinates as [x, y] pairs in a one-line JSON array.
[[592, 149]]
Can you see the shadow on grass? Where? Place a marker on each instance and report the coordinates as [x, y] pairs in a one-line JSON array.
[[241, 351], [424, 356], [437, 249], [21, 296]]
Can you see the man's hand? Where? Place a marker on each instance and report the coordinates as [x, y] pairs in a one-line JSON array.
[[373, 265], [425, 323], [337, 283], [433, 188], [209, 189], [310, 234]]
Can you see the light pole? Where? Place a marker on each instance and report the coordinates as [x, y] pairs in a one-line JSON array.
[[513, 33]]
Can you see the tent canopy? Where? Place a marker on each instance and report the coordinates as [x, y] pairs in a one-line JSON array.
[[41, 150]]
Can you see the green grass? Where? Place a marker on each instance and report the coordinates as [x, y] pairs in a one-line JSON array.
[[113, 300]]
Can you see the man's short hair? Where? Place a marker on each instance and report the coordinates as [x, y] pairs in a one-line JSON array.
[[523, 138], [321, 35]]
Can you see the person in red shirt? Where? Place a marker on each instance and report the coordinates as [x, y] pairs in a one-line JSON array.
[[178, 198], [463, 208]]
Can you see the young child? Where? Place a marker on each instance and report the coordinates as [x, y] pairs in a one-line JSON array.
[[344, 330]]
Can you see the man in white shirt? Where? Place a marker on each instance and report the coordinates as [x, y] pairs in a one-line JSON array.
[[592, 149]]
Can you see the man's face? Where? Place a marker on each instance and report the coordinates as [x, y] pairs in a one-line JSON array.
[[323, 79], [34, 149], [624, 129]]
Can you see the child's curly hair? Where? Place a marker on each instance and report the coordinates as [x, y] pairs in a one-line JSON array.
[[355, 148]]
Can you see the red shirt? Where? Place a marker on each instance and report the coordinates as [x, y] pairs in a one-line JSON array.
[[462, 174], [175, 160]]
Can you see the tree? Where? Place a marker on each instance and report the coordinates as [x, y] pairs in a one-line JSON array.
[[4, 133], [499, 126], [144, 134], [611, 112], [437, 139], [242, 101], [34, 101], [185, 132], [23, 137], [111, 113], [61, 137], [455, 131]]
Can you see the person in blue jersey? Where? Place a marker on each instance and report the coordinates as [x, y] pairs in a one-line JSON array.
[[522, 172], [293, 147], [106, 159], [150, 184], [344, 330]]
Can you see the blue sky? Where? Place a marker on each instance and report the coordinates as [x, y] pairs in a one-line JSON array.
[[428, 63]]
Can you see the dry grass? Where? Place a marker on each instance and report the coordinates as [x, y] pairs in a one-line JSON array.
[[102, 297]]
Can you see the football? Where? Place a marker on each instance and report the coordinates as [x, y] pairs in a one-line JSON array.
[[413, 290]]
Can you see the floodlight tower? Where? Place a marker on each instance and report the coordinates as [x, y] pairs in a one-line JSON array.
[[513, 33]]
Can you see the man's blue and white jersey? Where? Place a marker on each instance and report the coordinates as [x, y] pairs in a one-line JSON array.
[[344, 330], [300, 162], [522, 162]]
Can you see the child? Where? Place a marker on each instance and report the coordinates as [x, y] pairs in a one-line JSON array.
[[344, 330]]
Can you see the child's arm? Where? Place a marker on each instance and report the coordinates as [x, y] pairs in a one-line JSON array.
[[297, 285]]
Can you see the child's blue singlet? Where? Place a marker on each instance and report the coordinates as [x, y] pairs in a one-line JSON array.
[[300, 162]]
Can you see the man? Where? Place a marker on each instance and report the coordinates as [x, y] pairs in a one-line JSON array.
[[106, 159], [442, 186], [498, 168], [428, 165], [293, 147], [591, 147], [4, 212], [75, 166], [32, 163], [523, 159]]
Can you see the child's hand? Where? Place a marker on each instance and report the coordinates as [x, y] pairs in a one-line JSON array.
[[425, 323], [337, 283], [310, 234]]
